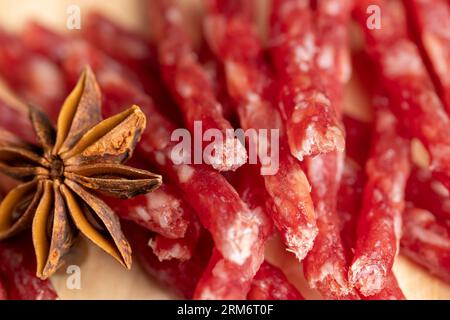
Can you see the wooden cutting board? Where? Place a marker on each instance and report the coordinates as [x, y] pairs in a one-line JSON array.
[[101, 276]]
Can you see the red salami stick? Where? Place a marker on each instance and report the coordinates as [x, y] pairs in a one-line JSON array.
[[18, 272], [349, 205], [429, 194], [249, 85], [270, 283], [192, 88], [350, 198], [217, 204], [219, 281], [431, 21], [312, 125], [405, 79], [426, 242], [28, 73], [379, 225], [325, 267]]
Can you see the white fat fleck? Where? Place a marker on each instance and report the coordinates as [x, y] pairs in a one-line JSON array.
[[252, 97], [321, 98], [304, 53], [237, 81], [438, 54], [440, 189], [184, 89], [326, 58], [333, 141], [333, 7], [377, 195], [176, 251], [241, 235], [46, 77], [430, 237], [185, 173], [160, 158], [397, 191], [403, 59], [385, 121], [173, 15], [307, 143], [398, 229], [142, 213], [346, 67]]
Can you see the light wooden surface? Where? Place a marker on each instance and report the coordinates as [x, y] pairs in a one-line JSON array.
[[101, 276]]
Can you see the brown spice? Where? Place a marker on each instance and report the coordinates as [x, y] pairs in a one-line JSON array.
[[62, 176]]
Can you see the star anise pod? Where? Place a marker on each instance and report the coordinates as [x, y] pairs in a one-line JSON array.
[[63, 175]]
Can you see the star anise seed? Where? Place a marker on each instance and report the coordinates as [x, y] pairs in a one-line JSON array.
[[63, 176]]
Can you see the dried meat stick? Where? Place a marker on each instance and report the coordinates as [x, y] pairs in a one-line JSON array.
[[312, 125], [180, 276], [350, 197], [349, 204], [325, 267], [429, 194], [407, 83], [379, 225], [18, 272], [380, 218], [249, 84], [431, 20], [426, 242], [270, 283], [28, 73], [214, 200], [219, 281], [192, 89]]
